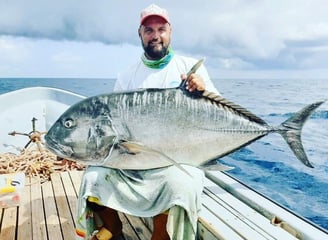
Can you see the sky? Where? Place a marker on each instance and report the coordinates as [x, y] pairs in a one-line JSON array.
[[98, 38]]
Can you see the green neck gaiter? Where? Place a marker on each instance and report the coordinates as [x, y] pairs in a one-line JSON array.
[[158, 64]]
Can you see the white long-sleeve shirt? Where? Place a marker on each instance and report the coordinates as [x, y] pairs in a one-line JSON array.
[[141, 76]]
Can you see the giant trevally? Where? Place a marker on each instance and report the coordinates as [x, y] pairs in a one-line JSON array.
[[153, 128]]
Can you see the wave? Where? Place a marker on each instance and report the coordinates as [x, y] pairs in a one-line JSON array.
[[321, 219], [320, 114]]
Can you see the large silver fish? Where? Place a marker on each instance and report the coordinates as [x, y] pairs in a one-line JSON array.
[[153, 128]]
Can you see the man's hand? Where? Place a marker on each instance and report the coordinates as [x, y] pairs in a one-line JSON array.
[[194, 82]]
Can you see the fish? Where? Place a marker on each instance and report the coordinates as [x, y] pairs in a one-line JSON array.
[[154, 128]]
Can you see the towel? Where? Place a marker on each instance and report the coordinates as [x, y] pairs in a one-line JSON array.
[[143, 193]]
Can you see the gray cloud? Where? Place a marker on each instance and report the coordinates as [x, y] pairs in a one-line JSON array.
[[235, 34]]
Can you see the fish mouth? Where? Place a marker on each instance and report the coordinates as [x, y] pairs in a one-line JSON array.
[[57, 148]]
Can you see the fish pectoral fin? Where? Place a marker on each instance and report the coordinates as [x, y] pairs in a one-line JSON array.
[[132, 161], [134, 155], [131, 147]]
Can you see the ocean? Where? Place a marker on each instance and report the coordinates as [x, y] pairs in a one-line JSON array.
[[267, 165]]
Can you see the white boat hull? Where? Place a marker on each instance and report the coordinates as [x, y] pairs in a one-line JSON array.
[[243, 213], [18, 108]]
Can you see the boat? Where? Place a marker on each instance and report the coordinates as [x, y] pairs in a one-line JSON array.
[[230, 209], [28, 108]]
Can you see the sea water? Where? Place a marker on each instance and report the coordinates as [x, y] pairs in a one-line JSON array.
[[267, 165]]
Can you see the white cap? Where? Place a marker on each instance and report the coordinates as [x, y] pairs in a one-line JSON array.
[[153, 10]]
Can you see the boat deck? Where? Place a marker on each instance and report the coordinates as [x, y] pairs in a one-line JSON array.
[[47, 211]]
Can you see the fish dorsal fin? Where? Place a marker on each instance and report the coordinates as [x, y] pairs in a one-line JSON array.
[[232, 107]]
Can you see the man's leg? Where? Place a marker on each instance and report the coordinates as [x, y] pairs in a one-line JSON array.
[[109, 217], [160, 232]]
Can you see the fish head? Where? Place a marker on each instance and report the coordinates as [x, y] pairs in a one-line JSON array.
[[84, 132]]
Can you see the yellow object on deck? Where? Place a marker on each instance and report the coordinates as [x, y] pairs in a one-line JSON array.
[[7, 189], [11, 186], [104, 234]]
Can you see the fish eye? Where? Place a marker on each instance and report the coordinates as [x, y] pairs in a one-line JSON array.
[[69, 123]]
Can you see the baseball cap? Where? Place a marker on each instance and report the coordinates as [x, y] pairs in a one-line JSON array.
[[154, 10]]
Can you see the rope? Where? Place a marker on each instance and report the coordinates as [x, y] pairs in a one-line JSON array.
[[36, 163]]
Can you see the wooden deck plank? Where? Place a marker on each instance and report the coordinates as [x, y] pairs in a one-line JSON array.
[[51, 213], [64, 212], [128, 231], [8, 223], [139, 227], [24, 216], [39, 231], [70, 194], [76, 177]]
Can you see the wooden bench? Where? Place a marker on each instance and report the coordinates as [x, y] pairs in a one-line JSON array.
[[47, 211]]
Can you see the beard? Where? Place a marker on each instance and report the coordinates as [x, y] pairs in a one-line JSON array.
[[153, 52]]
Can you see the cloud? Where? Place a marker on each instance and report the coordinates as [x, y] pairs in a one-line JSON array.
[[232, 35], [67, 20], [26, 57], [12, 52]]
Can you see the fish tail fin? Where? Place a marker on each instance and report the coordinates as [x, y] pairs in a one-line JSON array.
[[291, 131]]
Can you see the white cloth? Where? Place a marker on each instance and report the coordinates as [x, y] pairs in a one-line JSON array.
[[144, 193], [148, 193]]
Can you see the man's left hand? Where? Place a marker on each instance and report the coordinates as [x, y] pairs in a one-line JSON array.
[[194, 82]]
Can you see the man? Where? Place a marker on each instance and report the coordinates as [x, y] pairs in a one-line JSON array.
[[168, 194]]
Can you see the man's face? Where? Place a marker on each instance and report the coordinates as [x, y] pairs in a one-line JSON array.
[[155, 35]]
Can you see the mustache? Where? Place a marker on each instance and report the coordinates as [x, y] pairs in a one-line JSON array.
[[155, 42]]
